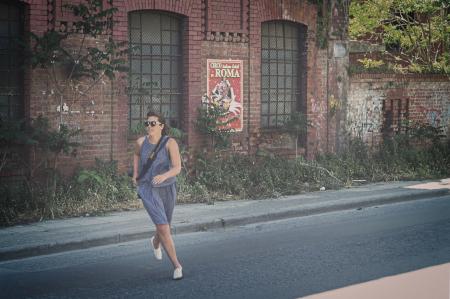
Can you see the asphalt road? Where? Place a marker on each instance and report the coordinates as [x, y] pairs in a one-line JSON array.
[[282, 259]]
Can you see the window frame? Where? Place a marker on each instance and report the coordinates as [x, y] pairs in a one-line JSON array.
[[293, 49], [15, 109], [160, 89]]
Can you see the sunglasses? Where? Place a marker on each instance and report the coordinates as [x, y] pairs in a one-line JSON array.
[[151, 123]]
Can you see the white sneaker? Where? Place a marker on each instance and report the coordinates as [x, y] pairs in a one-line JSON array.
[[156, 251], [178, 273]]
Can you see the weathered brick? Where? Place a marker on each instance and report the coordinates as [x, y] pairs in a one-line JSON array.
[[232, 16], [427, 96]]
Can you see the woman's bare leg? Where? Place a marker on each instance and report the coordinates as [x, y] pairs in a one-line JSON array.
[[165, 237], [156, 241]]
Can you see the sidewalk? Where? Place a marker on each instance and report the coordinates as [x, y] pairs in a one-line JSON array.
[[83, 232]]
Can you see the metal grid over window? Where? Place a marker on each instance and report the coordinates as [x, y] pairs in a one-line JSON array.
[[283, 71], [155, 66], [11, 61]]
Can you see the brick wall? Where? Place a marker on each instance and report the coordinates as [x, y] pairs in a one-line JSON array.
[[191, 11], [93, 112], [212, 29], [316, 108], [233, 51], [226, 16], [427, 98]]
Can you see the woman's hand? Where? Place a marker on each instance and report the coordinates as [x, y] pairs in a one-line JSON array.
[[158, 179], [134, 181]]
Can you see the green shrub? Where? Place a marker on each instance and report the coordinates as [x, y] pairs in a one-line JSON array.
[[421, 153], [14, 200], [242, 176], [103, 181], [93, 191]]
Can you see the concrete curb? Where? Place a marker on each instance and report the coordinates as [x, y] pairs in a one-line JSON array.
[[326, 208], [306, 210]]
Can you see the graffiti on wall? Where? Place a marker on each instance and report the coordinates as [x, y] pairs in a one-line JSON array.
[[369, 118], [318, 108], [431, 115], [364, 119], [319, 117], [446, 118]]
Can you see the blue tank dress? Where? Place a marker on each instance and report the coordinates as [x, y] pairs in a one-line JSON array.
[[159, 200]]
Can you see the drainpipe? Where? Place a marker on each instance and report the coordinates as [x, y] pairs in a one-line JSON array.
[[111, 155], [327, 96], [248, 86], [325, 14]]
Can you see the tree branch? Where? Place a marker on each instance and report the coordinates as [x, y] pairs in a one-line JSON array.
[[78, 58], [324, 169], [52, 77], [94, 83]]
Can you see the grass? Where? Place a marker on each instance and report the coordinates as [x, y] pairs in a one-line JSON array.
[[102, 189]]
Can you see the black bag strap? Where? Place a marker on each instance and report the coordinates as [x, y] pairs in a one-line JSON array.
[[152, 156]]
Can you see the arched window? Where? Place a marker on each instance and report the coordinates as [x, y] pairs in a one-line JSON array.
[[155, 66], [11, 61], [283, 71]]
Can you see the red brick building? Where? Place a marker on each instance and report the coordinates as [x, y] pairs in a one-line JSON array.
[[293, 56]]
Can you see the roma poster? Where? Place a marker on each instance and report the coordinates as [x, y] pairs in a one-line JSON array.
[[225, 88]]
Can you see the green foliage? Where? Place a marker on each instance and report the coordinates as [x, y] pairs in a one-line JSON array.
[[39, 183], [420, 153], [191, 191], [103, 181], [369, 63], [425, 131], [91, 191], [375, 67], [322, 29], [76, 67], [12, 132], [366, 16], [241, 176], [176, 133], [323, 20], [55, 141], [52, 50], [50, 144], [46, 49], [353, 162], [90, 177], [14, 200], [212, 120], [41, 176], [39, 136], [98, 62], [138, 129], [296, 125], [93, 17], [418, 30]]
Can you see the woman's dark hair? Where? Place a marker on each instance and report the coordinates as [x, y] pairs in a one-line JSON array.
[[161, 119]]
